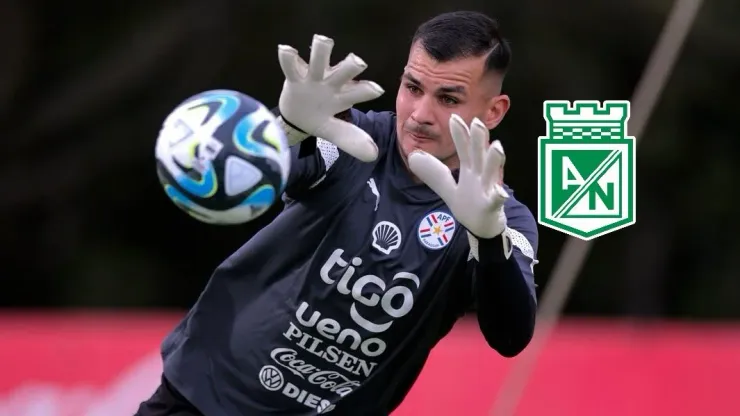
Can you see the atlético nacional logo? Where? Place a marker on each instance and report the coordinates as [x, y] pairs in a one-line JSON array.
[[436, 230], [587, 168]]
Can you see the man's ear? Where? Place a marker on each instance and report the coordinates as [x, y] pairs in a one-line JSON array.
[[497, 108]]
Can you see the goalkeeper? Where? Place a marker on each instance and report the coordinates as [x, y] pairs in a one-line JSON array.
[[395, 225]]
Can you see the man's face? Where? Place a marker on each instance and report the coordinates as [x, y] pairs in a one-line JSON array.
[[431, 91]]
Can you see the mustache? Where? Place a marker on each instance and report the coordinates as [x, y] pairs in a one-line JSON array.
[[420, 129]]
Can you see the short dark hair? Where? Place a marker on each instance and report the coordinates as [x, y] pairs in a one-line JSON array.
[[465, 34]]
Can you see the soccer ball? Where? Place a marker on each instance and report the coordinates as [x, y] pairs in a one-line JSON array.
[[222, 157]]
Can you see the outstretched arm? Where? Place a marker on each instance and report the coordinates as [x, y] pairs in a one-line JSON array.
[[503, 287], [503, 261]]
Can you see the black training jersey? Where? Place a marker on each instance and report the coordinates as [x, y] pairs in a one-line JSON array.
[[334, 306]]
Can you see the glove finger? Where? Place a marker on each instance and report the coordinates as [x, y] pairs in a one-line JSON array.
[[478, 145], [433, 173], [460, 136], [293, 66], [358, 92], [320, 56], [350, 139], [494, 162], [345, 71]]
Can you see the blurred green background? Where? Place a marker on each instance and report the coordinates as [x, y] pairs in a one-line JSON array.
[[84, 87]]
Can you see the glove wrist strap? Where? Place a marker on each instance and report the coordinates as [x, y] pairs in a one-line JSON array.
[[499, 248], [473, 243], [293, 133]]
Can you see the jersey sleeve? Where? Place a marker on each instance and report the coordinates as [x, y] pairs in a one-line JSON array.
[[503, 290], [316, 162]]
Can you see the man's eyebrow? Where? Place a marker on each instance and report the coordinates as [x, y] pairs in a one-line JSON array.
[[451, 89], [411, 78], [445, 89]]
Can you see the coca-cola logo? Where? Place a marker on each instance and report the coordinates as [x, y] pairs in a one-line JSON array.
[[325, 379]]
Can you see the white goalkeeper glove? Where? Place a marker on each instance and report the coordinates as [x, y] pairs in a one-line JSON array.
[[314, 93], [477, 199]]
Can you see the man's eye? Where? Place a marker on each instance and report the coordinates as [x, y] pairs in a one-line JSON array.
[[449, 100], [413, 89]]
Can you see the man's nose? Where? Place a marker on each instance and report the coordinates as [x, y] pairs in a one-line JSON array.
[[424, 111]]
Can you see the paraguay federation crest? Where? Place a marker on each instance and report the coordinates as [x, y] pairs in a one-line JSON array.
[[586, 168], [436, 230]]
